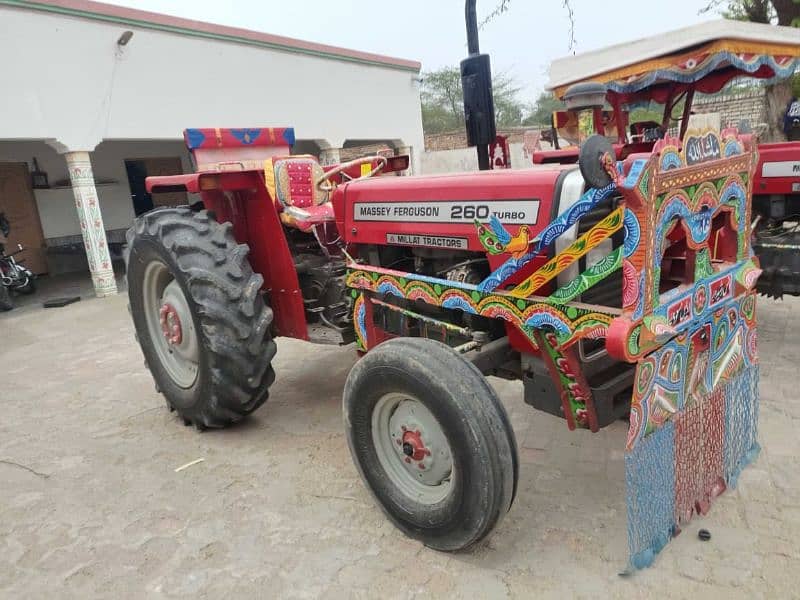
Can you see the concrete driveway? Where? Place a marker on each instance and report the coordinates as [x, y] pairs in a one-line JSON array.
[[91, 505]]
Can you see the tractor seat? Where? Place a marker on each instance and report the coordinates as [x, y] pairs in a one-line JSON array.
[[301, 203]]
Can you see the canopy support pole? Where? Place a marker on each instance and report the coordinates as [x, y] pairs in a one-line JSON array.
[[687, 111]]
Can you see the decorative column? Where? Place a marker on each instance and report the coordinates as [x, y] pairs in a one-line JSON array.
[[92, 228], [400, 150], [329, 156]]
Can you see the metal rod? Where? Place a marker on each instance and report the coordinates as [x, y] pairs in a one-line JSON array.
[[483, 157], [467, 347], [687, 111], [472, 27], [425, 319]]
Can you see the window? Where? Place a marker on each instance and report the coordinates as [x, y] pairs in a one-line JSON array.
[[677, 262], [723, 242]]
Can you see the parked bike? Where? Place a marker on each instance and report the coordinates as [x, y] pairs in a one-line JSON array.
[[13, 275]]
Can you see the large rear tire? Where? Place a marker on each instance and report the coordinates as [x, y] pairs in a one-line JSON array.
[[199, 315], [432, 442]]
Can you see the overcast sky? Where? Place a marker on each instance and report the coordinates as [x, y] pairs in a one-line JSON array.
[[522, 42]]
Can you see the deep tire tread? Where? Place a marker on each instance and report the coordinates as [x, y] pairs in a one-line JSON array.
[[234, 322]]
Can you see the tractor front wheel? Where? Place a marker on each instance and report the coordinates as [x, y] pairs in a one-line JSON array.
[[200, 319], [432, 442]]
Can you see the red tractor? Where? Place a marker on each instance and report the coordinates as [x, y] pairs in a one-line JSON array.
[[668, 72], [613, 289]]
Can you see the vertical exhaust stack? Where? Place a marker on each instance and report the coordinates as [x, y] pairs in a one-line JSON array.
[[476, 84]]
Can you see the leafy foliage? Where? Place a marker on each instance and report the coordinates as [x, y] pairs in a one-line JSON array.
[[780, 12], [442, 101], [543, 109]]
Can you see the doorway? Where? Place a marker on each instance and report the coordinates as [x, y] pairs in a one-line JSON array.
[[19, 205], [139, 169]]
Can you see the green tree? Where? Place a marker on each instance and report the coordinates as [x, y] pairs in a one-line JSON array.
[[443, 103], [780, 12], [542, 110]]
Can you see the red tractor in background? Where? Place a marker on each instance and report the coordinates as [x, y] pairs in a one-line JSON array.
[[575, 280], [668, 71]]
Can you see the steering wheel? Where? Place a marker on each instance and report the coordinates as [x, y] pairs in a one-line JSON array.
[[324, 183]]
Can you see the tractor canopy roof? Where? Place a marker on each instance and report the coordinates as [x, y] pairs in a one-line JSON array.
[[704, 57]]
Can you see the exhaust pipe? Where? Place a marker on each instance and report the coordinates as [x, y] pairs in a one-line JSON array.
[[476, 85]]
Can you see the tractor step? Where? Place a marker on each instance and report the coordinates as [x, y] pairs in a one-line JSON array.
[[611, 384], [318, 333]]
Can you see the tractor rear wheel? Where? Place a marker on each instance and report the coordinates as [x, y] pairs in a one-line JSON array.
[[432, 442], [199, 315]]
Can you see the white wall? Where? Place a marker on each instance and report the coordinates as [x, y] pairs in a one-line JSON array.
[[466, 159], [67, 81], [57, 206]]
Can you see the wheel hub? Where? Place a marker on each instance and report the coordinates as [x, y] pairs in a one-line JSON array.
[[413, 446], [171, 324], [419, 443]]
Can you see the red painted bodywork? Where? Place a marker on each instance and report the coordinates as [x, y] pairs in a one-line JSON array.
[[484, 185], [777, 152], [241, 197], [567, 156]]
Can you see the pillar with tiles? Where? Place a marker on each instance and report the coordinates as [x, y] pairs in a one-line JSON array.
[[93, 231]]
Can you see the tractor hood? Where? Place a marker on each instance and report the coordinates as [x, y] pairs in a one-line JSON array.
[[440, 211]]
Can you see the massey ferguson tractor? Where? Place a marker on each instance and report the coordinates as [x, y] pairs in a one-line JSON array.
[[667, 73], [611, 289]]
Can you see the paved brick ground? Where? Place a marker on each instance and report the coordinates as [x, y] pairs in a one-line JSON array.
[[90, 504]]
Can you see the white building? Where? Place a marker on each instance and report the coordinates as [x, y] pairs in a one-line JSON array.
[[91, 87]]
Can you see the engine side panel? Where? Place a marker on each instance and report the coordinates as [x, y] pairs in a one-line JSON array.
[[440, 211], [778, 170]]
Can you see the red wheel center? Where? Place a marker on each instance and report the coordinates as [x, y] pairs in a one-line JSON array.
[[413, 446], [170, 324]]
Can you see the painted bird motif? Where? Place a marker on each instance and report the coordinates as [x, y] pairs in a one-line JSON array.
[[497, 240]]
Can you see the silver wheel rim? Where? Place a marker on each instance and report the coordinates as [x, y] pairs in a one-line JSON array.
[[412, 448], [170, 324]]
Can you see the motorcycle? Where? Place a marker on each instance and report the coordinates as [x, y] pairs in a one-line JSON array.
[[13, 275]]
